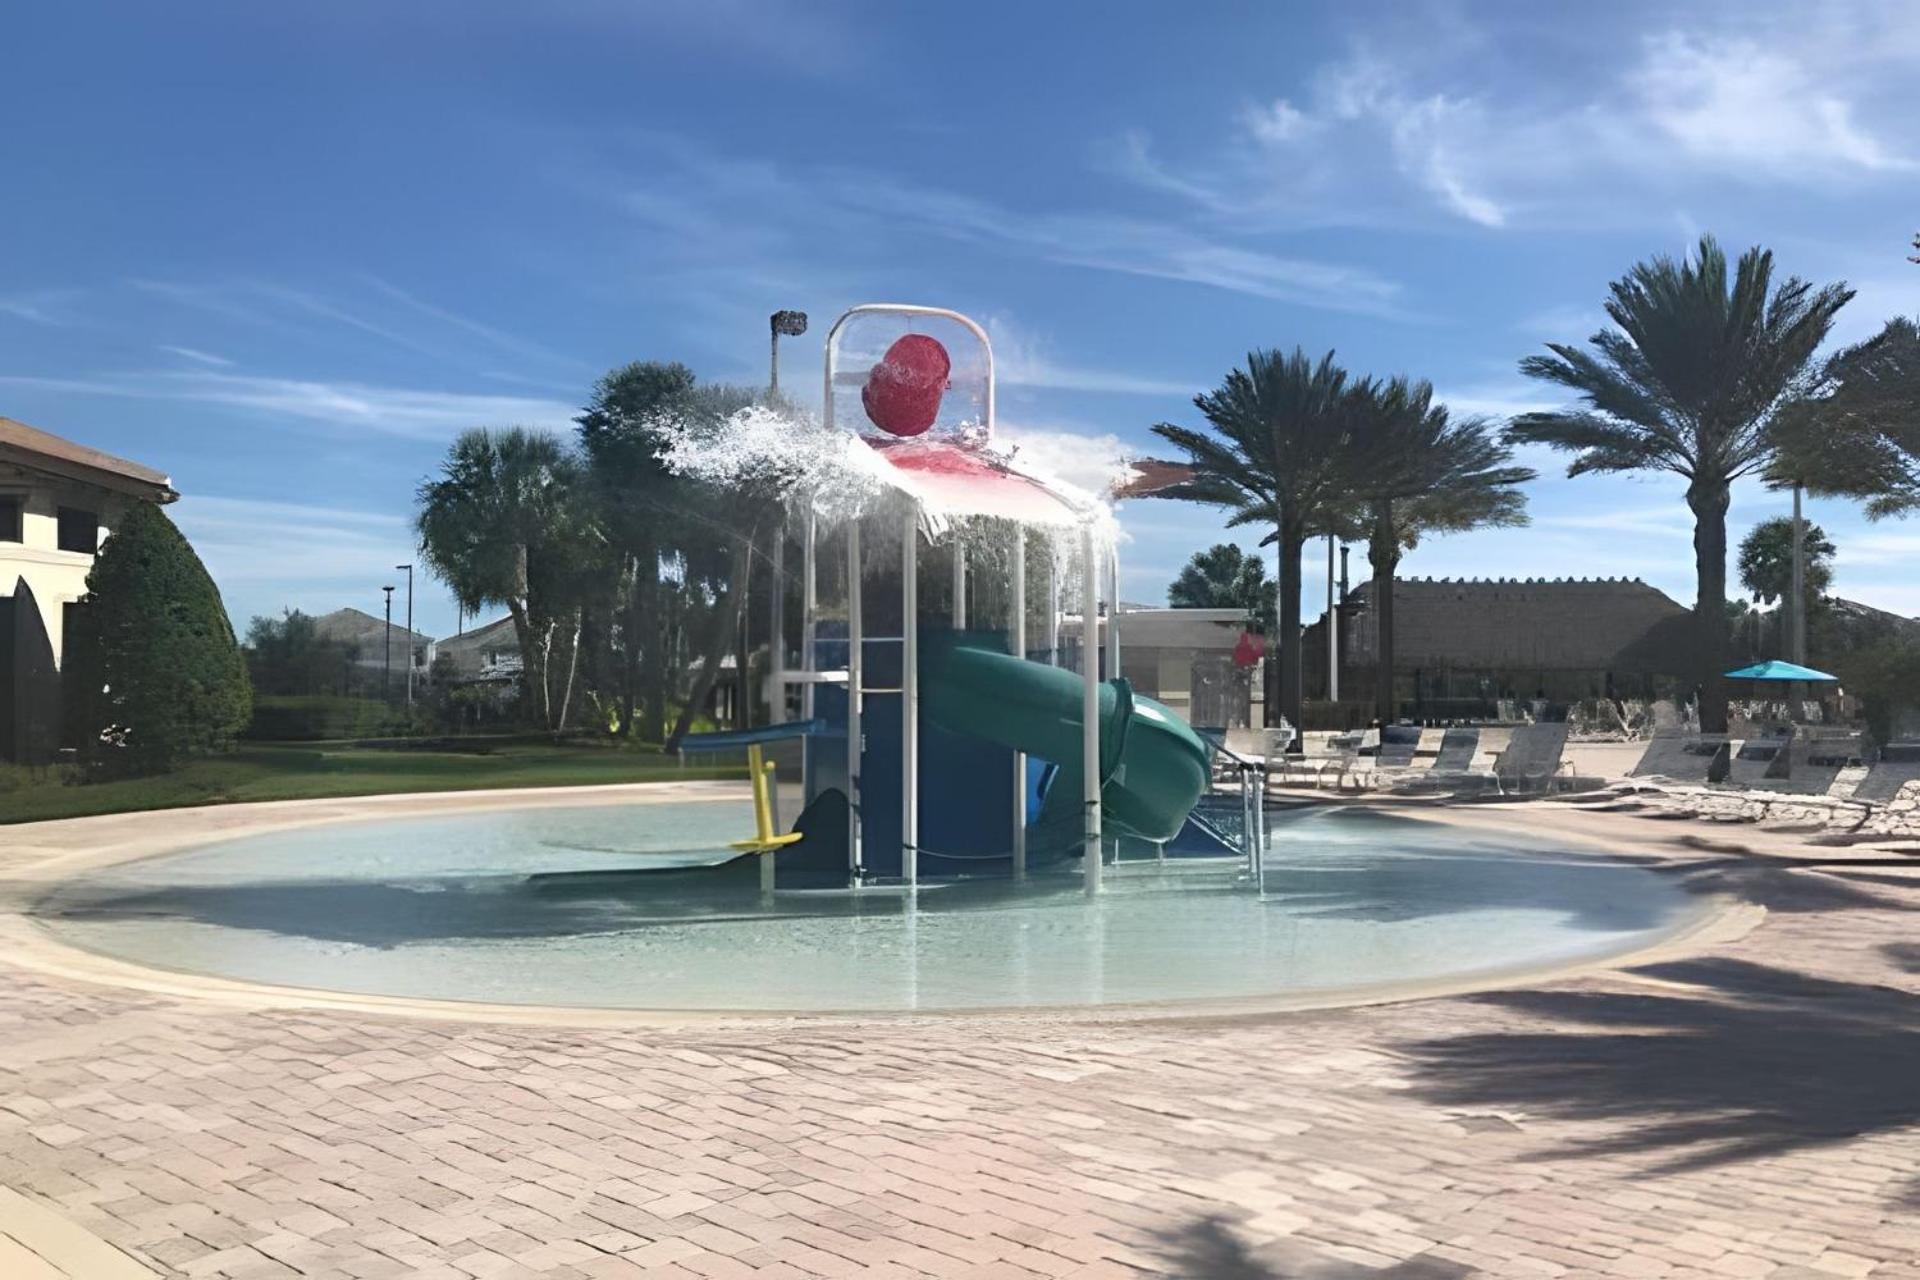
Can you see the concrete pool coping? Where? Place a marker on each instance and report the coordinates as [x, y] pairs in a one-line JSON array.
[[51, 854]]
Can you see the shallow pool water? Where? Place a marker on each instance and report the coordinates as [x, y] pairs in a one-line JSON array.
[[454, 908]]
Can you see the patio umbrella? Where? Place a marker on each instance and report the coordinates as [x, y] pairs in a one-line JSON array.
[[1774, 669]]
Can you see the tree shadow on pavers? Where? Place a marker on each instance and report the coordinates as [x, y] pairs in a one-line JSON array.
[[1208, 1249], [1789, 889], [1753, 1061], [1904, 954]]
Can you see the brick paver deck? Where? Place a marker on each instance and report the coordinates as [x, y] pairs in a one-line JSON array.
[[1750, 1112]]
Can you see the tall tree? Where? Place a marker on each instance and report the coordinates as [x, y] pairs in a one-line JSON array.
[[621, 436], [1436, 474], [725, 527], [287, 655], [1857, 433], [502, 526], [1766, 559], [1225, 577], [1688, 382], [1280, 449], [1765, 563]]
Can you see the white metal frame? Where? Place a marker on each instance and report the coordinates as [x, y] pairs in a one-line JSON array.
[[1090, 854], [910, 641], [1018, 643]]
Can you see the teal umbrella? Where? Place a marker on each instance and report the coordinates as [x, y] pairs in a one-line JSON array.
[[1778, 670]]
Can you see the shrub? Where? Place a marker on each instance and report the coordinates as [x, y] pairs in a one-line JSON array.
[[157, 675], [1886, 679], [313, 719]]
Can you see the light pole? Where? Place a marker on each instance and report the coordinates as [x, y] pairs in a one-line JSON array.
[[409, 569], [386, 659], [789, 324]]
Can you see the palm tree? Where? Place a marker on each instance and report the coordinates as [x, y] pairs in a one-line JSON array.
[[1857, 435], [1689, 383], [1280, 448], [1225, 577], [1449, 476], [501, 526]]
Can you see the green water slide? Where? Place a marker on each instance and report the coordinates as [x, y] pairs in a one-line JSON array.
[[1153, 767]]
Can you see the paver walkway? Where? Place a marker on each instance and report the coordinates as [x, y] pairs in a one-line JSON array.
[[1751, 1112]]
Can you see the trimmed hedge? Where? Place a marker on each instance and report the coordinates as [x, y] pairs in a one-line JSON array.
[[155, 675], [289, 718]]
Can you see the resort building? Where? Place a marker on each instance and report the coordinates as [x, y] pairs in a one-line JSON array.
[[58, 501], [1194, 660], [1463, 647], [488, 654], [372, 645]]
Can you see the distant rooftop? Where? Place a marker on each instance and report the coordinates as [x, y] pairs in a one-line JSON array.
[[34, 447], [354, 625], [1540, 623]]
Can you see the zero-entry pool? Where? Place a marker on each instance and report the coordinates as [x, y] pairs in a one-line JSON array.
[[527, 907]]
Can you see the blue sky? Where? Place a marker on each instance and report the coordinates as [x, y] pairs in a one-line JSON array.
[[286, 252]]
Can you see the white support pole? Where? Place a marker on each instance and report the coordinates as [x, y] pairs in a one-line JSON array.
[[910, 701], [1113, 614], [1053, 606], [1019, 646], [855, 688], [1333, 630], [1798, 648], [959, 583], [777, 630], [1090, 867], [809, 607]]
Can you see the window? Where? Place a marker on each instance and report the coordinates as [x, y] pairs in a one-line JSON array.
[[79, 530], [10, 519]]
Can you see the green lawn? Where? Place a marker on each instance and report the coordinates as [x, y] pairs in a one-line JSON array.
[[304, 771]]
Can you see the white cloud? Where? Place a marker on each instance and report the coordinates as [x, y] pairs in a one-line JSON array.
[[197, 356], [266, 556], [499, 338], [1020, 360], [710, 208], [1734, 104], [402, 411], [1413, 123], [42, 306]]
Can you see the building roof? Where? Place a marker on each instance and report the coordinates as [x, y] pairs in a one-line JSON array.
[[44, 450], [353, 625], [497, 632], [1563, 624]]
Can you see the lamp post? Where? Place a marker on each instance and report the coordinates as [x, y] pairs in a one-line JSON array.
[[409, 569], [790, 324], [386, 658]]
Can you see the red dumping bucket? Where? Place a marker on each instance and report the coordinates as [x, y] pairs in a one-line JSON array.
[[903, 391]]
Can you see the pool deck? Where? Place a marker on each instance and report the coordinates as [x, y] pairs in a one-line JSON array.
[[1742, 1103]]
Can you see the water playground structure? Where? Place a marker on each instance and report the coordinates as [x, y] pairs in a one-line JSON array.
[[945, 747]]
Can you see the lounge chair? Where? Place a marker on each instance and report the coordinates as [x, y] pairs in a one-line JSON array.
[[1899, 764], [1338, 758], [1393, 757], [1816, 761], [1676, 755], [1453, 767], [1532, 760], [1762, 759]]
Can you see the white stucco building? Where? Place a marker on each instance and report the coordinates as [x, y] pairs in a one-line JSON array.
[[58, 501]]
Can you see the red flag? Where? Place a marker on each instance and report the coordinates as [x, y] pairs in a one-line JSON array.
[[1249, 650]]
